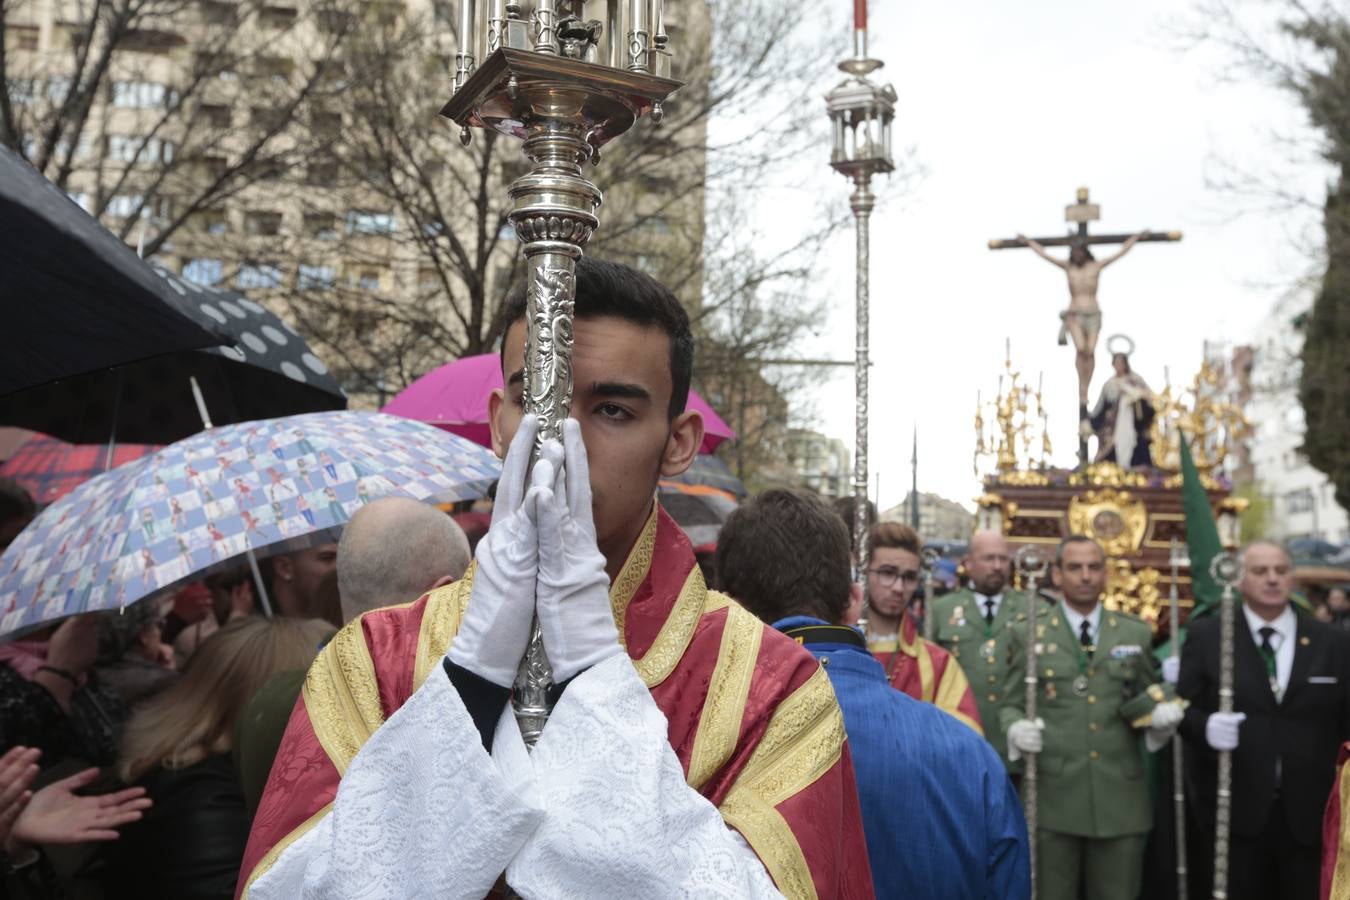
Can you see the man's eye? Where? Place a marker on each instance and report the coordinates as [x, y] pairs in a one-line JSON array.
[[613, 411]]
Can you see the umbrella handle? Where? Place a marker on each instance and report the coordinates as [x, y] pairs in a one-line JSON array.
[[201, 403], [258, 581]]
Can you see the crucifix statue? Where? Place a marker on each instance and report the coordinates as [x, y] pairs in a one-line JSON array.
[[1082, 321]]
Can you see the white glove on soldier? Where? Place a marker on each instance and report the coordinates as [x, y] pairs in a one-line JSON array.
[[1171, 668], [574, 610], [491, 639], [1024, 736], [1221, 730], [1166, 717]]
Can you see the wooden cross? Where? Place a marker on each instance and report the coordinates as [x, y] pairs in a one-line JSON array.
[[1082, 213]]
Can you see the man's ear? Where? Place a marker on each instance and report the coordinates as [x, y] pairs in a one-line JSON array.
[[496, 403], [441, 582], [686, 436], [853, 612], [283, 567], [1056, 576]]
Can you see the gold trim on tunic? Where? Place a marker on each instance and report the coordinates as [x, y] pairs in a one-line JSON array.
[[719, 724], [271, 856]]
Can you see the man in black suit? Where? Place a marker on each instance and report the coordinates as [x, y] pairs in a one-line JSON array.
[[1291, 700]]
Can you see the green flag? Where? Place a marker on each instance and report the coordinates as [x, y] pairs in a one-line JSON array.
[[1202, 545], [1202, 535]]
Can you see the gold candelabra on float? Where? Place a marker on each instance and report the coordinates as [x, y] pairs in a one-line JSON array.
[[1018, 416], [1205, 413]]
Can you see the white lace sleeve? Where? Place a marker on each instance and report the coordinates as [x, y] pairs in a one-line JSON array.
[[620, 819], [422, 811]]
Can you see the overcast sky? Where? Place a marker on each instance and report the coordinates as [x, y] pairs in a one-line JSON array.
[[1010, 108]]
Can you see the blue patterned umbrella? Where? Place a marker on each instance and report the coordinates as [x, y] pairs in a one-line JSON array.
[[197, 505]]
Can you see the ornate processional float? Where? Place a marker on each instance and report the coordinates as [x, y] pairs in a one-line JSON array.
[[566, 77], [1135, 512]]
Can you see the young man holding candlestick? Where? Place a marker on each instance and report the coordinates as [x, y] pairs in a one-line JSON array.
[[692, 751]]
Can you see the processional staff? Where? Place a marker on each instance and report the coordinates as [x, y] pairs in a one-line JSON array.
[[929, 562], [1032, 563], [1178, 757], [1226, 569], [564, 85]]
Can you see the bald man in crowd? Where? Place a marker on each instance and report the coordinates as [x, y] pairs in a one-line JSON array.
[[972, 625], [1291, 712], [393, 550]]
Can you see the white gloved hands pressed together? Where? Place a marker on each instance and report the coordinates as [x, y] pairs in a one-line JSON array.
[[1024, 736], [1171, 669], [1221, 730], [496, 627], [575, 615]]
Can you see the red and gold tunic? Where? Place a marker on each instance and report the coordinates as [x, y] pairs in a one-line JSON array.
[[752, 716], [926, 672], [1336, 834]]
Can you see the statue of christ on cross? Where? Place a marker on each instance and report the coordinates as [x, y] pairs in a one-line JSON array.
[[1082, 321]]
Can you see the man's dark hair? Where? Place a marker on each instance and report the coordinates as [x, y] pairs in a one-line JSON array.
[[785, 552], [611, 289], [844, 507], [1075, 539]]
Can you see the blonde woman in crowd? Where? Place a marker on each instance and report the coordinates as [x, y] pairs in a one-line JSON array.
[[177, 746]]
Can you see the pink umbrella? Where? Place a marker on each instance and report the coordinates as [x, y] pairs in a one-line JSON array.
[[455, 397]]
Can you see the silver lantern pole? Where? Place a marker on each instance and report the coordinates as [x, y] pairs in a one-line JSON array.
[[564, 76], [1226, 570], [1033, 564], [1177, 559], [860, 115]]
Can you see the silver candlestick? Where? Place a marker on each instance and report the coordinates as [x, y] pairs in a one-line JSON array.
[[861, 114], [566, 77]]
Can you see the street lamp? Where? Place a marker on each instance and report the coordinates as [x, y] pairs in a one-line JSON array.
[[860, 115]]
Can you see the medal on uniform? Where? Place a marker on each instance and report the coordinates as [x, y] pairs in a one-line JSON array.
[[1080, 685]]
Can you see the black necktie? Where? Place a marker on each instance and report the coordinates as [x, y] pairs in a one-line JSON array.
[[1268, 655], [1085, 635], [989, 610]]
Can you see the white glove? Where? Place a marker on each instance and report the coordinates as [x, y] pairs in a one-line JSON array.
[[491, 639], [1221, 730], [574, 610], [1024, 736], [1166, 717], [1171, 668]]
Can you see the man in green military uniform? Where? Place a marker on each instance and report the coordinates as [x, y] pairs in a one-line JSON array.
[[971, 624], [1098, 688]]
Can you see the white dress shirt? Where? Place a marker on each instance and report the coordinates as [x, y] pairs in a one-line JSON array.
[[1075, 619], [1286, 630], [982, 599]]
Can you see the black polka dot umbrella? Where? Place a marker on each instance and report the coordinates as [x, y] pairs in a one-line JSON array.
[[269, 371], [75, 298]]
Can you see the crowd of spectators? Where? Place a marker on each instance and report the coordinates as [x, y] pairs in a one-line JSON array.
[[135, 743]]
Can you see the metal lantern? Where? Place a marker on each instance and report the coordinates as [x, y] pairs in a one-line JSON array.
[[861, 114], [566, 77]]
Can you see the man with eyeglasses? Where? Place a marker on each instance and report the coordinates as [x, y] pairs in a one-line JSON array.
[[918, 667], [971, 624]]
